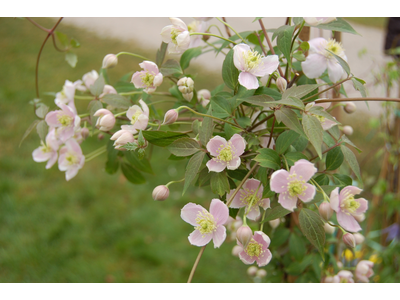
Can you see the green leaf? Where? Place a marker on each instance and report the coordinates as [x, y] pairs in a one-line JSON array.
[[292, 157], [335, 132], [334, 159], [259, 100], [204, 178], [63, 38], [141, 164], [184, 147], [162, 138], [281, 236], [28, 131], [42, 129], [342, 180], [188, 55], [301, 143], [230, 74], [161, 53], [300, 91], [313, 129], [322, 179], [275, 213], [312, 227], [41, 110], [341, 61], [319, 111], [74, 43], [284, 40], [220, 107], [296, 247], [206, 129], [219, 183], [290, 119], [131, 174], [116, 101], [338, 25], [171, 67], [112, 163], [359, 86], [268, 158], [192, 169], [130, 146], [262, 90], [237, 174], [284, 140], [328, 140], [97, 88], [346, 140], [352, 161], [71, 58], [256, 19]]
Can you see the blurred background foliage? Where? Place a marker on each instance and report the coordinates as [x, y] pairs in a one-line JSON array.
[[99, 227]]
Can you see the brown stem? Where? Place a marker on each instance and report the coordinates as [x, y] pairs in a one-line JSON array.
[[360, 99], [226, 27], [262, 121], [37, 25], [272, 130], [327, 89], [261, 44], [55, 45], [330, 148], [196, 263]]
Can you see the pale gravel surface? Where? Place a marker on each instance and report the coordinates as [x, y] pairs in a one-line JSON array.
[[146, 32]]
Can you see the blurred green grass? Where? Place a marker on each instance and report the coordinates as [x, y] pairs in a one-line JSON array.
[[97, 227]]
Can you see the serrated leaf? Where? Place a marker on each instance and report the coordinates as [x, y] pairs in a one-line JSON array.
[[97, 88], [341, 62], [313, 129], [230, 74], [192, 169], [352, 161], [183, 147], [42, 129], [131, 174], [292, 157], [338, 25], [188, 55], [219, 183], [312, 227], [161, 53], [141, 164], [171, 67], [71, 59], [220, 107], [41, 110], [116, 101], [28, 131], [334, 159], [162, 138], [268, 158], [284, 40], [130, 146], [284, 140], [206, 129], [275, 213], [290, 119]]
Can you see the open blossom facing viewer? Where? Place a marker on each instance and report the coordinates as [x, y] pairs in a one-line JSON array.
[[139, 117], [208, 225], [47, 152], [176, 35], [346, 207], [226, 154], [252, 65], [248, 197], [292, 185], [71, 159], [319, 59], [65, 121], [149, 79], [256, 250]]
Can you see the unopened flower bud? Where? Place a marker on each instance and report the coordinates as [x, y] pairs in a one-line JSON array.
[[281, 83], [106, 120], [100, 136], [349, 240], [122, 137], [332, 279], [359, 218], [252, 271], [108, 89], [244, 235], [359, 238], [110, 61], [204, 97], [186, 87], [170, 117], [347, 130], [85, 133], [236, 250], [261, 273], [206, 37], [160, 193], [350, 107], [274, 223], [325, 211], [329, 229]]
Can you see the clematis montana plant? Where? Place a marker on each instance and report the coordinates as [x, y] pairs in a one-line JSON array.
[[262, 140]]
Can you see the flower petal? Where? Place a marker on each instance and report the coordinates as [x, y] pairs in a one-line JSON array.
[[288, 202], [348, 222], [137, 79], [236, 202], [245, 258], [349, 190], [334, 199], [239, 57], [314, 65], [279, 181], [308, 194], [189, 213], [71, 172], [249, 81], [234, 163], [197, 239], [239, 144], [215, 166], [264, 259], [303, 169], [268, 66], [335, 70], [328, 124], [149, 66], [219, 210], [219, 236], [363, 206], [214, 144]]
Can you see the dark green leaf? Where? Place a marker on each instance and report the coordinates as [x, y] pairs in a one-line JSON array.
[[359, 86], [334, 159], [116, 101], [188, 55], [275, 213], [312, 227], [206, 129], [290, 119], [284, 140], [112, 163], [141, 164], [230, 74], [262, 90], [342, 180], [192, 169], [204, 178], [237, 174], [296, 247], [131, 174], [219, 183], [171, 67], [268, 158], [220, 107], [284, 40], [184, 147], [352, 161], [300, 144], [313, 129], [162, 138], [281, 236], [233, 212], [322, 179], [259, 100]]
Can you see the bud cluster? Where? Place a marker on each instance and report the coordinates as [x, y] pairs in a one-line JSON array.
[[186, 87]]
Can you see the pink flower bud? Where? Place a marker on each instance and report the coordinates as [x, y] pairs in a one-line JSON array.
[[350, 107], [121, 137], [252, 271], [281, 83], [325, 211], [85, 133], [274, 223], [244, 235], [236, 250], [186, 87], [261, 273], [170, 117], [349, 240], [106, 120], [110, 61], [347, 130], [329, 229], [160, 193], [332, 279], [359, 238]]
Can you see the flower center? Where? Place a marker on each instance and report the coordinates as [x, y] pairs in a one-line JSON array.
[[320, 118], [64, 119], [335, 47], [192, 27], [349, 204], [71, 159], [295, 186], [174, 35], [147, 79], [343, 280], [206, 222], [135, 117], [252, 59], [254, 248], [225, 154], [45, 148]]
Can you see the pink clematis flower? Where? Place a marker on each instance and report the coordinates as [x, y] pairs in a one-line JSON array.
[[149, 79], [318, 59], [139, 117], [252, 65], [248, 197], [197, 26], [208, 225], [89, 79], [347, 207], [345, 276], [108, 89], [47, 152], [256, 250], [226, 154], [292, 185], [121, 138], [314, 21], [66, 96], [106, 120], [71, 159], [325, 123], [176, 35], [364, 270], [65, 121]]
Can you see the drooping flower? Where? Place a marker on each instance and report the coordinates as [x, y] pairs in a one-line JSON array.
[[226, 154], [364, 270], [197, 26], [346, 207], [106, 119], [208, 225], [48, 151], [293, 185], [345, 276], [71, 159], [139, 117], [319, 59], [65, 121], [89, 79], [250, 196], [252, 65], [108, 89], [176, 35], [325, 123], [256, 250], [121, 138], [148, 79], [204, 96], [314, 21], [66, 96]]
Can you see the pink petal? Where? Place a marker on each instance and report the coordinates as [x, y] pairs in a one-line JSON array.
[[239, 143], [327, 124], [347, 222], [52, 118], [129, 128], [178, 23], [236, 202], [253, 184], [215, 166], [189, 213], [335, 70], [214, 144], [254, 212], [238, 56], [363, 206], [149, 66], [137, 80], [52, 160], [39, 156], [288, 202], [303, 169], [268, 66], [325, 105], [264, 259], [245, 258], [349, 190], [219, 236], [308, 194], [219, 210], [334, 199], [234, 163], [261, 238], [144, 106], [314, 65], [265, 203], [197, 239], [279, 181], [74, 146], [71, 172], [249, 81]]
